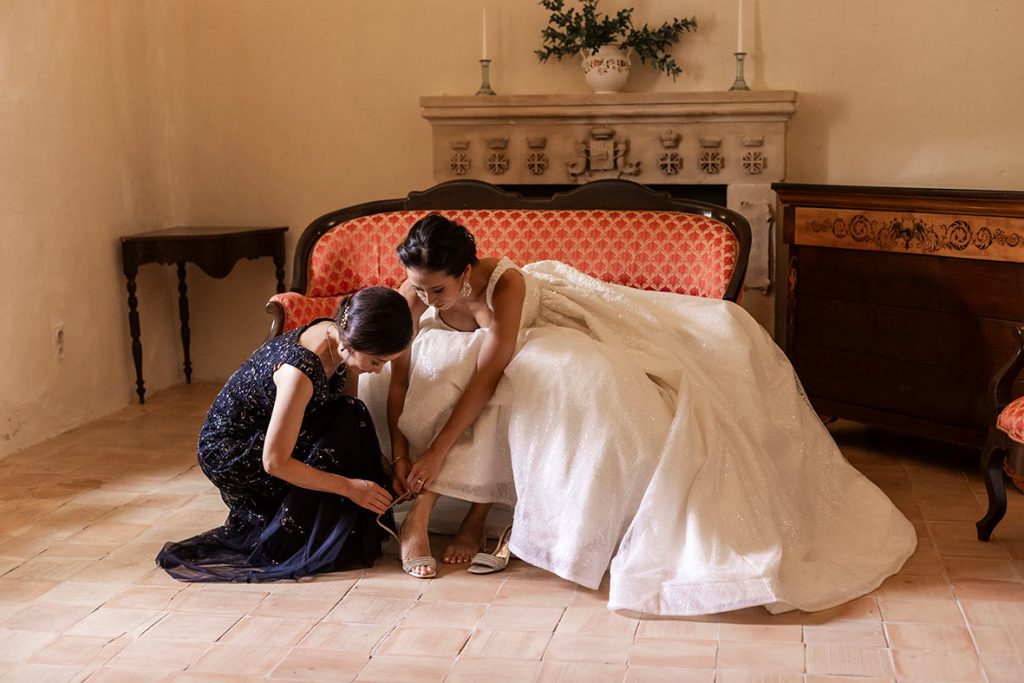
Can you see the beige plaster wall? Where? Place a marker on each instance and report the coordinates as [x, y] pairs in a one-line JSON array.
[[82, 160], [275, 111], [287, 110]]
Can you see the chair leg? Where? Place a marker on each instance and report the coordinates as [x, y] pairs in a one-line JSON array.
[[992, 471]]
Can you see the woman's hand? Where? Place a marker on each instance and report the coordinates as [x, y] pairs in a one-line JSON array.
[[367, 494], [399, 475], [425, 470]]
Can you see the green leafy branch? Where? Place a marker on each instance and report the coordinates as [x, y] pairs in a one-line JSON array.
[[571, 31]]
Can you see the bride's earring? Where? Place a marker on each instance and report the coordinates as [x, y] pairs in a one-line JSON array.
[[467, 289]]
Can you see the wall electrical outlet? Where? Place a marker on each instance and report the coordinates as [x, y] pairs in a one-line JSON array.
[[58, 340]]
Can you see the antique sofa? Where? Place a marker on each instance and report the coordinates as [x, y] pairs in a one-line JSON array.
[[615, 230]]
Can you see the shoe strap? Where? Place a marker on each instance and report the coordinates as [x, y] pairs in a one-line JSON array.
[[488, 560], [401, 499]]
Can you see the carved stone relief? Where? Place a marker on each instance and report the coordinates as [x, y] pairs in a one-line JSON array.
[[497, 163], [537, 161], [753, 163], [711, 162], [603, 153], [458, 160], [670, 163], [497, 160]]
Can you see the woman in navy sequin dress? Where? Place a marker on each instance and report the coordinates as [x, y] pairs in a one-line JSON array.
[[295, 455]]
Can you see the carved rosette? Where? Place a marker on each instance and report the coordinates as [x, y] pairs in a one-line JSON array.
[[753, 163], [497, 163], [458, 163], [458, 160], [670, 163], [537, 162], [711, 162]]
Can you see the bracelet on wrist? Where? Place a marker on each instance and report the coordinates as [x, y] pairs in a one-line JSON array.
[[401, 457]]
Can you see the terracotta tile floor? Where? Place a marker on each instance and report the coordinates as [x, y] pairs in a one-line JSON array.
[[82, 516]]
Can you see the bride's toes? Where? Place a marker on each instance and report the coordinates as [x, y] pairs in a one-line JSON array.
[[455, 557], [460, 552], [423, 572], [415, 553]]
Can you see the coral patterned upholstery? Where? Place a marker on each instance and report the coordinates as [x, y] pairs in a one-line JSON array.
[[687, 253], [1011, 420]]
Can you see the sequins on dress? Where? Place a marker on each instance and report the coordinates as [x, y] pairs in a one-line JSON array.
[[275, 530]]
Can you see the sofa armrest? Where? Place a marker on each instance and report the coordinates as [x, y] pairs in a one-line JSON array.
[[291, 309]]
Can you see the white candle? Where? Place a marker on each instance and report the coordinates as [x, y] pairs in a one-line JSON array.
[[483, 47], [739, 27]]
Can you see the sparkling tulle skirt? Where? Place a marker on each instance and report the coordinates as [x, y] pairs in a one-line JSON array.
[[665, 441]]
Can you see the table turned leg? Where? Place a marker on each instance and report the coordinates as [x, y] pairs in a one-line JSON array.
[[183, 314], [133, 326]]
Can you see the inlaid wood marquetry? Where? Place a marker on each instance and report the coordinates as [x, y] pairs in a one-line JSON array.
[[988, 238]]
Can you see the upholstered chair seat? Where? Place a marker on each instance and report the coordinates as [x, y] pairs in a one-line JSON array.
[[1011, 420], [1004, 447]]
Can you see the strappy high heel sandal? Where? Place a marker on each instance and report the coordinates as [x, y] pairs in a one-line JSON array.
[[414, 562], [496, 560]]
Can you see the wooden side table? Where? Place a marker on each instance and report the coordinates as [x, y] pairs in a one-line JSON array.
[[214, 249]]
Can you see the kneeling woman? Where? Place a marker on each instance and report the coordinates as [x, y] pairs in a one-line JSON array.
[[295, 455]]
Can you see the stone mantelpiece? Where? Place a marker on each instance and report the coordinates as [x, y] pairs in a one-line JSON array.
[[741, 136], [736, 139]]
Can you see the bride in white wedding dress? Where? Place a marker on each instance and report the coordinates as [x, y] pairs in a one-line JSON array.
[[662, 437]]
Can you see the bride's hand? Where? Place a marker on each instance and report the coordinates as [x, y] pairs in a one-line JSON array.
[[399, 475], [425, 470]]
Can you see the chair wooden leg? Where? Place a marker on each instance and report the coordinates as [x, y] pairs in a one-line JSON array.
[[992, 472]]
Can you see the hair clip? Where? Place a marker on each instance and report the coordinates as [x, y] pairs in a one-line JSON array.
[[344, 313]]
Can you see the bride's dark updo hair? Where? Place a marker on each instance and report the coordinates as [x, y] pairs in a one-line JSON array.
[[435, 243], [375, 321]]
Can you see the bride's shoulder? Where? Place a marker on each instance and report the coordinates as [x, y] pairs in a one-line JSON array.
[[506, 285], [495, 269]]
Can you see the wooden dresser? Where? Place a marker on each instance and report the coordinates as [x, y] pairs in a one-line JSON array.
[[900, 302]]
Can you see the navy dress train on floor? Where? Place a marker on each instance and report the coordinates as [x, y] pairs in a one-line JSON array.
[[275, 530]]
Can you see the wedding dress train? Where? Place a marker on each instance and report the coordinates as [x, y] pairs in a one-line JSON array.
[[663, 437]]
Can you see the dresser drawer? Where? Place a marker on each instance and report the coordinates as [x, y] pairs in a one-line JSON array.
[[933, 338], [988, 289]]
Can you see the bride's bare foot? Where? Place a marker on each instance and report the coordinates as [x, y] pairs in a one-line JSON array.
[[470, 539], [463, 548], [415, 544]]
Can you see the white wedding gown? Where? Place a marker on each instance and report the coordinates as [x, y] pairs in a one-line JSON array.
[[662, 436]]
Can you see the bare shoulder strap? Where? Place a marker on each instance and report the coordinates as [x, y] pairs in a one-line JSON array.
[[499, 270]]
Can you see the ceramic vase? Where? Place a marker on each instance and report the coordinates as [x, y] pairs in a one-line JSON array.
[[606, 68]]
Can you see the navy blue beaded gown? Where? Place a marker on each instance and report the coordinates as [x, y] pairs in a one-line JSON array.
[[275, 530]]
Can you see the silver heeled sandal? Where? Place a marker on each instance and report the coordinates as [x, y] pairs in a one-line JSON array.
[[414, 562], [496, 560]]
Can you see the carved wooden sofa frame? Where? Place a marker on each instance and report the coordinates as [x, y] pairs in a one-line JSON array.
[[616, 230]]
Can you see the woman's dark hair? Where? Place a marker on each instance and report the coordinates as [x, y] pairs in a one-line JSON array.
[[375, 320], [436, 243]]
